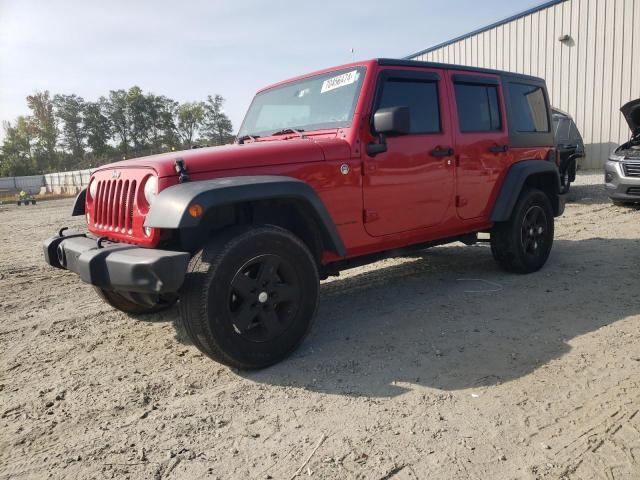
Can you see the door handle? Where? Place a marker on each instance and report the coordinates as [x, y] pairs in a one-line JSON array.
[[442, 152], [498, 148]]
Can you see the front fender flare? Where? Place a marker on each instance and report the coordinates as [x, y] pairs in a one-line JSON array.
[[78, 204], [170, 208]]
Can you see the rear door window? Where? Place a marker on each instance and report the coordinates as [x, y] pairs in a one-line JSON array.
[[529, 108], [478, 107], [420, 96]]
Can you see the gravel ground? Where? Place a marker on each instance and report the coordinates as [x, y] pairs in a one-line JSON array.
[[435, 366]]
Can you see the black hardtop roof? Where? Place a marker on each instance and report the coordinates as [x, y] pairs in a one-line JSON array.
[[394, 62]]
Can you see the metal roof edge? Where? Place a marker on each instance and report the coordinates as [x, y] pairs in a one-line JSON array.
[[548, 4]]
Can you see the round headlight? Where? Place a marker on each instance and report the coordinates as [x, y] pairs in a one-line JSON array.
[[151, 189], [93, 189]]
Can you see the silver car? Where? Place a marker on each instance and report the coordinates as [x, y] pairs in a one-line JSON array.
[[622, 170]]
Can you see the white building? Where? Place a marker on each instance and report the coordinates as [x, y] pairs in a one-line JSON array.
[[584, 49]]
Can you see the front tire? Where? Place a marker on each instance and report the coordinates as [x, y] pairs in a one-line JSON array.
[[523, 244], [250, 296], [565, 181]]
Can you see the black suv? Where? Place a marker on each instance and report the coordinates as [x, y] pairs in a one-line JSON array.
[[569, 145]]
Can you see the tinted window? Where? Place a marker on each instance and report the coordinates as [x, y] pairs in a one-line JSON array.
[[420, 97], [528, 107], [478, 109], [562, 127]]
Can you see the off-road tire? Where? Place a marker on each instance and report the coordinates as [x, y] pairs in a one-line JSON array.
[[565, 181], [212, 306], [512, 246], [119, 302]]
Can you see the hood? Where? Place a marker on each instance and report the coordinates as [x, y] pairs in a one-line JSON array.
[[631, 112], [249, 155]]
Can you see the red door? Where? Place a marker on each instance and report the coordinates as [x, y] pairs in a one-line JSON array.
[[481, 139], [411, 185]]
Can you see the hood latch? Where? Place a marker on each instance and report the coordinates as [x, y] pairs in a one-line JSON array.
[[181, 170]]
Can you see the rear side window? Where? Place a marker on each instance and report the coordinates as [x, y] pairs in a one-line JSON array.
[[529, 108], [478, 107], [420, 96]]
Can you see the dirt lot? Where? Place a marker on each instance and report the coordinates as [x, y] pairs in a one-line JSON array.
[[438, 366]]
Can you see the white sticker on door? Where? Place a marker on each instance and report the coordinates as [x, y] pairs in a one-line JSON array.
[[339, 81]]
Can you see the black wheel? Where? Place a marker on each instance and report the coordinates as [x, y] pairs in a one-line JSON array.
[[523, 243], [33, 202], [18, 203], [565, 181], [250, 296], [120, 302]]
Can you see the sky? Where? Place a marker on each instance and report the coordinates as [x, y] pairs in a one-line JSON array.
[[189, 49]]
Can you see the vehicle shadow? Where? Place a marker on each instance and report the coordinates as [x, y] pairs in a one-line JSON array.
[[588, 194], [450, 319]]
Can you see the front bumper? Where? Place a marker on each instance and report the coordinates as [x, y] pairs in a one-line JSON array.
[[618, 186], [117, 266]]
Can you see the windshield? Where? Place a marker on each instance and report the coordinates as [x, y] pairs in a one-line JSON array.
[[315, 103]]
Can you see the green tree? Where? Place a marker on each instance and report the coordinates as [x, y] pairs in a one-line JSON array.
[[139, 118], [17, 153], [45, 130], [118, 115], [97, 127], [69, 109], [190, 117], [162, 126], [217, 127]]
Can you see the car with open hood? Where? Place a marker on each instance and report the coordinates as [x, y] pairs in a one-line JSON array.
[[622, 170]]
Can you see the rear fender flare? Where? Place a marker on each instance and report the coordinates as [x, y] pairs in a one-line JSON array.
[[514, 182]]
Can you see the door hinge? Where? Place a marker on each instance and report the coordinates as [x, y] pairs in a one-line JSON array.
[[370, 216]]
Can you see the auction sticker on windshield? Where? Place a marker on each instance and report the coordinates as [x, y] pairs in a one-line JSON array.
[[339, 81]]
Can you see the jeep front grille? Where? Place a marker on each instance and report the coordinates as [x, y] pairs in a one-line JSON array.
[[631, 169], [113, 207]]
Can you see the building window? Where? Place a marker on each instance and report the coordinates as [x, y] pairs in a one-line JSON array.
[[478, 108], [529, 108], [422, 99]]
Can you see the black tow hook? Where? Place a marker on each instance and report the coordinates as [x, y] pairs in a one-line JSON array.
[[100, 240]]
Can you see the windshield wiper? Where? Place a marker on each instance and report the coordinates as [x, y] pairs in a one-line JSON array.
[[290, 130], [246, 137]]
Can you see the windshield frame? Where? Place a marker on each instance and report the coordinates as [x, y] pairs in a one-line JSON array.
[[362, 69]]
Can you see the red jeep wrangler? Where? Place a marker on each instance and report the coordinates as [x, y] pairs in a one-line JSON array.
[[330, 170]]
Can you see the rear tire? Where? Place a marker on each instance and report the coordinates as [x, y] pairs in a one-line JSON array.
[[120, 302], [523, 244], [250, 296]]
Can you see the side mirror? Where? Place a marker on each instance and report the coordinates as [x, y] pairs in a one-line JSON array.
[[388, 121], [392, 121]]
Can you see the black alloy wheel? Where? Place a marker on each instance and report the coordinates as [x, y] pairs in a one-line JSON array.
[[264, 298], [533, 235]]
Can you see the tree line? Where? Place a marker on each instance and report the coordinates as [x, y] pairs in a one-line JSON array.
[[67, 132]]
